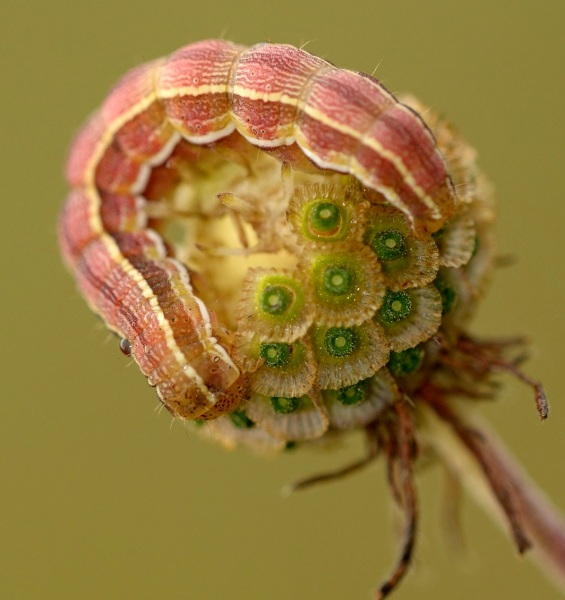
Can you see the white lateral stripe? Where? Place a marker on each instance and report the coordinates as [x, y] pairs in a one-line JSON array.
[[164, 324]]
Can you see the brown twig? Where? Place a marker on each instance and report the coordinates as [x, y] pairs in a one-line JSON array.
[[497, 480], [540, 520], [488, 356], [330, 476], [403, 459]]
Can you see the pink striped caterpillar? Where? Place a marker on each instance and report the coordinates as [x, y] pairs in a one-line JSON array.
[[327, 268], [222, 97]]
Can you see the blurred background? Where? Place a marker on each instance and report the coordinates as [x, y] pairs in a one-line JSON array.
[[101, 496]]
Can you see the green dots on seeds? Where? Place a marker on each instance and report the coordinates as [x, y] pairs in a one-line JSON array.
[[346, 355], [276, 354], [286, 370], [241, 420], [338, 280], [396, 307], [347, 284], [276, 299], [324, 218], [352, 394], [278, 295], [340, 341], [405, 362], [274, 304], [284, 406], [323, 213], [389, 245], [448, 295]]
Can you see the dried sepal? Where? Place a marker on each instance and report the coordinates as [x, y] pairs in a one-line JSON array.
[[230, 434], [359, 404], [327, 213], [346, 355], [289, 419], [406, 260], [274, 305], [457, 296], [456, 240], [480, 267], [410, 316], [347, 284]]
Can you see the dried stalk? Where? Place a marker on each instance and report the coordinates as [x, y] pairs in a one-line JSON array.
[[540, 519]]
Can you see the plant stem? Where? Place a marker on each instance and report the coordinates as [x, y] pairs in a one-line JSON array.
[[540, 519]]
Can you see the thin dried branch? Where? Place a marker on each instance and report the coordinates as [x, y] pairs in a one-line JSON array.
[[539, 519], [403, 461]]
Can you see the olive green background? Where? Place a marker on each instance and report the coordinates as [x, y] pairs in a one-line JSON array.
[[101, 496]]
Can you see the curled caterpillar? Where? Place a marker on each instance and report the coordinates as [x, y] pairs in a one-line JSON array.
[[205, 100], [279, 245]]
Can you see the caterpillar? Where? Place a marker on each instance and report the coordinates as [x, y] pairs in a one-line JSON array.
[[279, 245], [184, 121]]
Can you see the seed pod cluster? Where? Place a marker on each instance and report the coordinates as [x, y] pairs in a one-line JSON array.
[[330, 339]]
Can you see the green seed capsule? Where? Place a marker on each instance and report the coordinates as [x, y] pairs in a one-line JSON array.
[[406, 362], [276, 299], [285, 406], [275, 354], [324, 218], [241, 420], [396, 306], [347, 355], [448, 295], [347, 284], [274, 305], [352, 394], [340, 341], [389, 245], [406, 261], [338, 280], [288, 370]]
